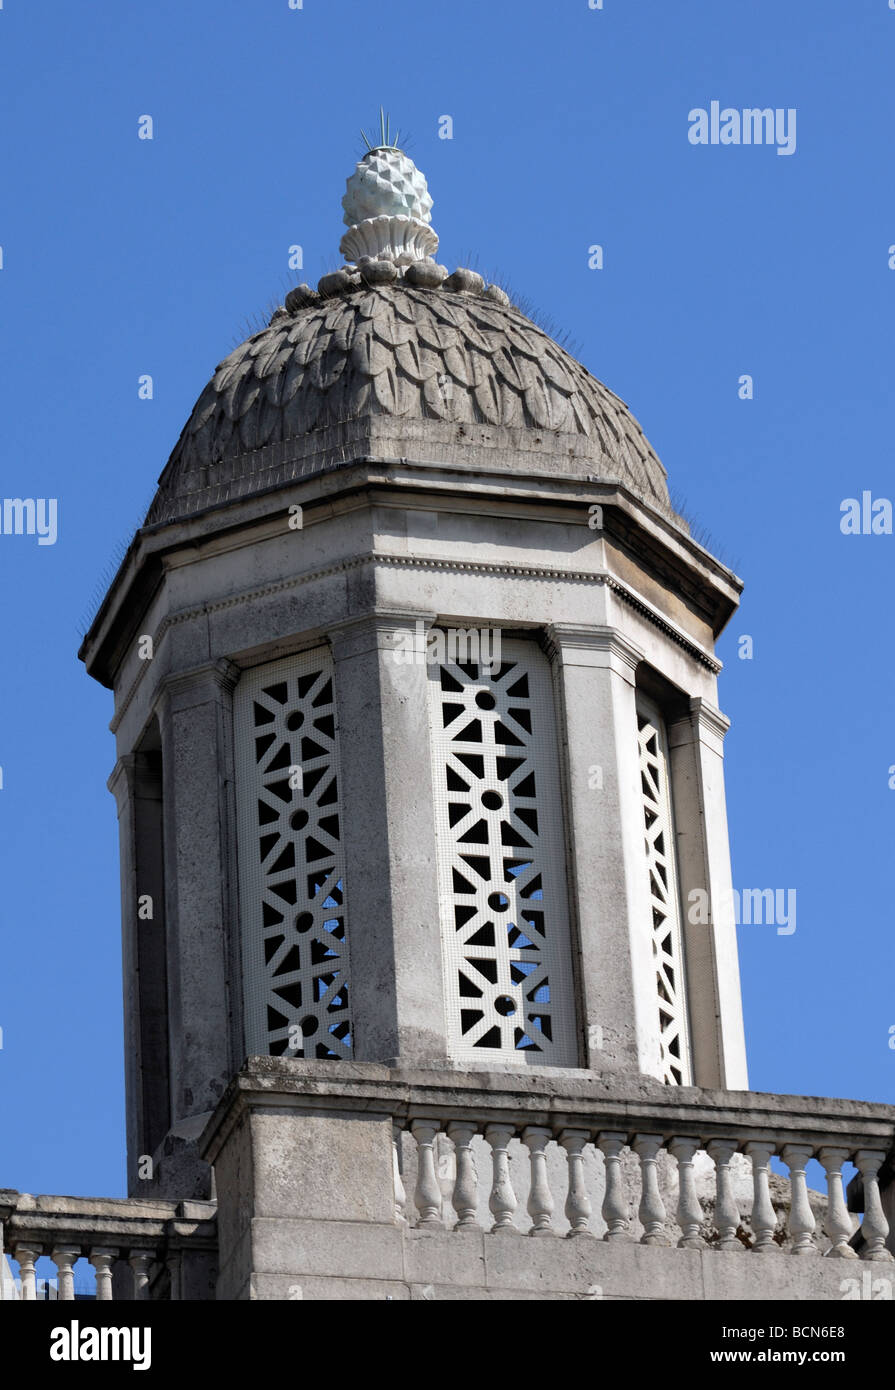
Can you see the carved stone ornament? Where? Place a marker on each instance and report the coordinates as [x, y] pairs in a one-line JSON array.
[[388, 210]]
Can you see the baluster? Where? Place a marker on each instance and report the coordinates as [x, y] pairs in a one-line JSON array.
[[502, 1202], [63, 1258], [616, 1210], [651, 1212], [727, 1212], [875, 1227], [764, 1218], [577, 1208], [801, 1217], [102, 1261], [140, 1262], [540, 1198], [838, 1224], [428, 1189], [689, 1211], [400, 1192], [26, 1256], [465, 1197]]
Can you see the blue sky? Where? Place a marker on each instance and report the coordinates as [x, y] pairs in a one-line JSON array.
[[570, 128]]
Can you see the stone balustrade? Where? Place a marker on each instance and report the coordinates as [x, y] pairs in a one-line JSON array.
[[650, 1218], [392, 1182], [140, 1249], [626, 1160]]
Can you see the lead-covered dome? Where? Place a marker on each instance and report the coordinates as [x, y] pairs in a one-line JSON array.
[[415, 355], [440, 369]]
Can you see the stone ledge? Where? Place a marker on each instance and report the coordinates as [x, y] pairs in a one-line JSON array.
[[554, 1097], [86, 1221]]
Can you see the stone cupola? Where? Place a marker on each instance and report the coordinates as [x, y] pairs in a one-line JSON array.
[[419, 752]]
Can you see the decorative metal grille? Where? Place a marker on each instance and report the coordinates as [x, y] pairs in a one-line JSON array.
[[667, 939], [291, 869], [501, 861]]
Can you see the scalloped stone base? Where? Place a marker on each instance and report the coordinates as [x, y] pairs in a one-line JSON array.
[[399, 239]]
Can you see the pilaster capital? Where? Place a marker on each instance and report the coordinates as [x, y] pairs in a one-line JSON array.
[[575, 644], [376, 631], [121, 779], [198, 685], [135, 775], [704, 723]]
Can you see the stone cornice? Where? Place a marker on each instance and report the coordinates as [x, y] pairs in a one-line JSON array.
[[682, 563], [486, 567]]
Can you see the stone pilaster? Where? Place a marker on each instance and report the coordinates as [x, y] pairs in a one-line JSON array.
[[121, 785], [594, 669], [195, 719], [136, 784], [389, 837], [696, 744]]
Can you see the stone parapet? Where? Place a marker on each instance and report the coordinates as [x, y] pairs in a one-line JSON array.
[[329, 1178]]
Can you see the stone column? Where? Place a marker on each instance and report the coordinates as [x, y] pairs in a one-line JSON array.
[[594, 670], [388, 830], [695, 745], [137, 787], [195, 719]]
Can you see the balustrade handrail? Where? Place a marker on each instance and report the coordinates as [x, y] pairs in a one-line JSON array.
[[557, 1098]]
